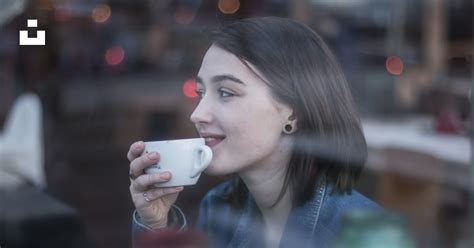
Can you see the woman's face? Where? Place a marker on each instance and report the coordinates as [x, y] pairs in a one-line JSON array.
[[237, 116]]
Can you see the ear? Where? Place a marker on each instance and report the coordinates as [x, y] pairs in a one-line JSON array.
[[287, 115], [294, 120], [290, 117]]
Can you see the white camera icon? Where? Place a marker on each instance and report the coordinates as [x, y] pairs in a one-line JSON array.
[[39, 40]]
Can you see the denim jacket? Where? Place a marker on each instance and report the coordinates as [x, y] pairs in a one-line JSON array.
[[315, 224]]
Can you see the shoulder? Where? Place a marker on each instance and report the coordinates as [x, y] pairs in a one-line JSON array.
[[216, 215], [217, 197], [336, 206], [352, 201], [220, 191]]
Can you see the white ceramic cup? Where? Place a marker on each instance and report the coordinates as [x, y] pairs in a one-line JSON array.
[[184, 158]]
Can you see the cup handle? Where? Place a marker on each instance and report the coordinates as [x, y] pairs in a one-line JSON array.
[[201, 162]]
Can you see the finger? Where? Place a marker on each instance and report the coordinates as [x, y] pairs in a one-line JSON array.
[[135, 150], [146, 181], [154, 194], [146, 160]]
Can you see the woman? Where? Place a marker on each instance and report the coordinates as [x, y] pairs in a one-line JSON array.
[[276, 110]]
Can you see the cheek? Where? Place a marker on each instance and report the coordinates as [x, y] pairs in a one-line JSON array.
[[252, 134], [260, 141], [253, 131]]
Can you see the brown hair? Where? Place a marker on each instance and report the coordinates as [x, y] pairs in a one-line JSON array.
[[302, 73]]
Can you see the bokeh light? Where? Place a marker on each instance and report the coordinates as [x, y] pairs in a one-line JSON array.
[[62, 14], [114, 55], [394, 65], [101, 13], [189, 88], [184, 15], [228, 6]]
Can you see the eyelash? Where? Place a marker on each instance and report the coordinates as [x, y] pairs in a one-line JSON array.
[[200, 93], [225, 92]]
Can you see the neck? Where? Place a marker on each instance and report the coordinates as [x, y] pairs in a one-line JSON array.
[[266, 189], [265, 181], [265, 193]]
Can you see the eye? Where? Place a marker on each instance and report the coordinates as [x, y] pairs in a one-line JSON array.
[[199, 92], [225, 93]]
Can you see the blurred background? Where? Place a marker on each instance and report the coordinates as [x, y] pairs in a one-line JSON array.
[[117, 71]]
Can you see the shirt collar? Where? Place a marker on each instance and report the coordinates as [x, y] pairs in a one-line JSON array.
[[301, 224]]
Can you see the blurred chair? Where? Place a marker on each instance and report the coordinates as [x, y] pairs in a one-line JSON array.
[[411, 185], [21, 145], [30, 217]]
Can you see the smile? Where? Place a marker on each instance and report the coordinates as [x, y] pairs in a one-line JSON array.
[[212, 140]]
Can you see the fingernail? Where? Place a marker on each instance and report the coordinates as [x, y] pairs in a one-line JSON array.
[[179, 188], [153, 156], [165, 175], [137, 145]]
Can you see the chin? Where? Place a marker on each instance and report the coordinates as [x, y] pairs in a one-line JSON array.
[[216, 170], [212, 171]]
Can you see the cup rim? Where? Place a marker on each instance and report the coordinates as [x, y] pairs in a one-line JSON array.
[[172, 141]]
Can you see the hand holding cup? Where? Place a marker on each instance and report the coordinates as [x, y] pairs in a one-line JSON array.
[[151, 203], [159, 169]]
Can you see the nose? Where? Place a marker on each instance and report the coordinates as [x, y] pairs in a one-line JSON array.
[[202, 113]]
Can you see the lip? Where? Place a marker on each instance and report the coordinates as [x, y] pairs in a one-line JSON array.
[[212, 139]]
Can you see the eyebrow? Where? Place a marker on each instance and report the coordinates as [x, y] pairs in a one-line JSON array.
[[220, 78]]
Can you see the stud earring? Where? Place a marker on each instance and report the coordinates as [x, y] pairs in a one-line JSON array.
[[288, 128]]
